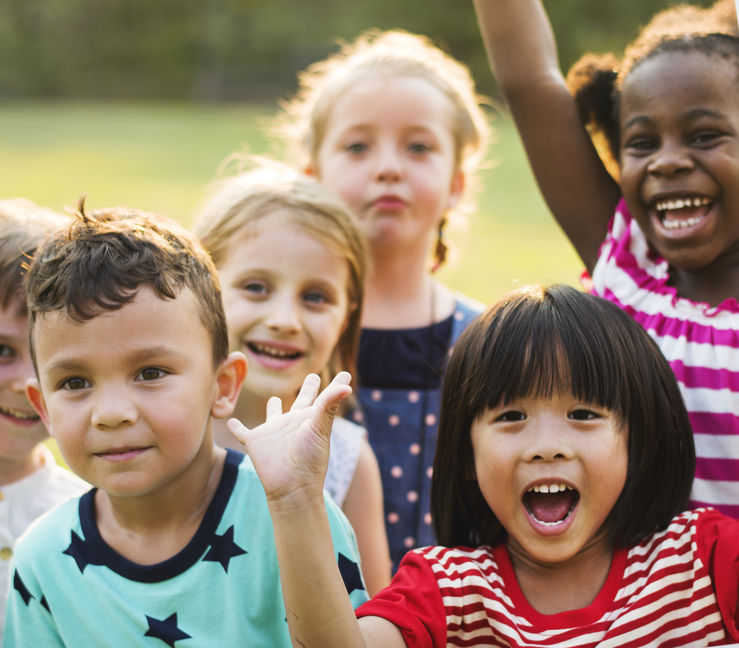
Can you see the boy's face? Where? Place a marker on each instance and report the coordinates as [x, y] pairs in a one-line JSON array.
[[21, 430], [128, 394]]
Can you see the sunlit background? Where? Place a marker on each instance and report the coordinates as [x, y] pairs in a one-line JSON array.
[[138, 102]]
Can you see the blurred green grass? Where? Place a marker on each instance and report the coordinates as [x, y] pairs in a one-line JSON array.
[[162, 157]]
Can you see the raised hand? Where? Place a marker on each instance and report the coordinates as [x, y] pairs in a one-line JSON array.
[[290, 450]]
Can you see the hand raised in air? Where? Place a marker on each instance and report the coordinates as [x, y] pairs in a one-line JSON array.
[[290, 450]]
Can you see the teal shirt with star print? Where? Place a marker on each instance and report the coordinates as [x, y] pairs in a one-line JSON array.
[[69, 588]]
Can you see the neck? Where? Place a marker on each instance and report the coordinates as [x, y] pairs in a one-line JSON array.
[[13, 469], [551, 588], [711, 285], [154, 527]]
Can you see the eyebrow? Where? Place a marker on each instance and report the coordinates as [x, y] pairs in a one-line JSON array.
[[139, 356], [692, 114]]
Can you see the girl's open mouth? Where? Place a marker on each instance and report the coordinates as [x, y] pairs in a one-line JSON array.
[[677, 214], [19, 417], [550, 506]]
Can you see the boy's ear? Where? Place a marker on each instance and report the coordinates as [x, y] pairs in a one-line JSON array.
[[456, 190], [36, 398], [229, 379]]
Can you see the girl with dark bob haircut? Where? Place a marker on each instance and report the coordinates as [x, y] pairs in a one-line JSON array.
[[542, 341], [563, 469]]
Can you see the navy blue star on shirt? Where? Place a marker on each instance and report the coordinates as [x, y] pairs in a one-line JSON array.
[[350, 574], [165, 629], [78, 550], [21, 588], [223, 548]]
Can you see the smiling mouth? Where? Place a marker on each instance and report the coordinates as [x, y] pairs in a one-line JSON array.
[[273, 352], [682, 213], [17, 414], [551, 504]]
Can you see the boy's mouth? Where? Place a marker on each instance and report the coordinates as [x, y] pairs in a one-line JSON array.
[[682, 213], [550, 504]]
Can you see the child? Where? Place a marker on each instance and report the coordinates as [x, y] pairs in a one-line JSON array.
[[565, 458], [292, 265], [30, 480], [670, 116], [174, 542], [393, 125]]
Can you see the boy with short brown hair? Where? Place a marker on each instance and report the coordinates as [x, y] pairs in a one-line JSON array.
[[175, 542]]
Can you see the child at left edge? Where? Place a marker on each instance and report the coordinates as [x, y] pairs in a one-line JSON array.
[[174, 541], [31, 482]]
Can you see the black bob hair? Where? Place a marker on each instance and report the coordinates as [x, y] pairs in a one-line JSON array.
[[540, 341]]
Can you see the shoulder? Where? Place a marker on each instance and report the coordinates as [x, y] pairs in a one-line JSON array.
[[48, 534]]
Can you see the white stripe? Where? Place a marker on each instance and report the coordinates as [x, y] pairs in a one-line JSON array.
[[698, 354], [715, 492], [715, 401], [716, 446]]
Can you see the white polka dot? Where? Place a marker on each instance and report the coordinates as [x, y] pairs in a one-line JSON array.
[[427, 518], [413, 397], [409, 542], [396, 471], [412, 496], [429, 472], [393, 518], [358, 416], [393, 419], [376, 395], [458, 315], [430, 419], [414, 449]]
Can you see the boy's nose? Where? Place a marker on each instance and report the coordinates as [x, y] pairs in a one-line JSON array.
[[112, 409]]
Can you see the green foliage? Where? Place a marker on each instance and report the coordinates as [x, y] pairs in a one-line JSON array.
[[247, 49]]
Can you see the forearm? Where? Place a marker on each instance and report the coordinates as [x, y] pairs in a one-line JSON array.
[[319, 611], [519, 42]]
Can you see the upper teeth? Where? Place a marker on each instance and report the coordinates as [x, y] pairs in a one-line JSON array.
[[550, 488], [18, 414], [681, 203], [279, 353]]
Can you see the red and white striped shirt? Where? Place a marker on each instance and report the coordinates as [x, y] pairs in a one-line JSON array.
[[678, 588], [700, 342]]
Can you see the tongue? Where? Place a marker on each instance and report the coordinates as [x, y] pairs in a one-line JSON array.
[[550, 507]]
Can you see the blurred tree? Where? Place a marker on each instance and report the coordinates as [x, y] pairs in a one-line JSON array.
[[248, 49]]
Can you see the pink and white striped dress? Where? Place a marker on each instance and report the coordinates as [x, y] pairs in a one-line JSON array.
[[700, 342], [677, 588]]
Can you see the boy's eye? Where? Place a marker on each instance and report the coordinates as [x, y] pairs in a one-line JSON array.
[[583, 414], [511, 416], [704, 137], [75, 384], [150, 373]]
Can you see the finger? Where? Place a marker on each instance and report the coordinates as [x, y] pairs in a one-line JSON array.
[[307, 393], [237, 428], [274, 407]]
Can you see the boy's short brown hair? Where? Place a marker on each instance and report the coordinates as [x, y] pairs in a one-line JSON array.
[[105, 256], [23, 226]]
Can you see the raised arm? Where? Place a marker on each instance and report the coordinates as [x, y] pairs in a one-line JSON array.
[[572, 179], [290, 454]]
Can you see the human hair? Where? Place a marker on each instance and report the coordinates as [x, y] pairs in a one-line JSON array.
[[242, 201], [394, 53], [539, 342], [596, 81], [23, 226], [105, 256]]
